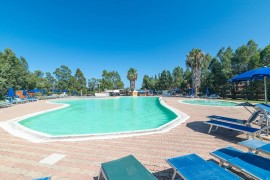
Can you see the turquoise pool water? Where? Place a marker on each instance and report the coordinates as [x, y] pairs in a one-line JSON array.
[[208, 102], [97, 116]]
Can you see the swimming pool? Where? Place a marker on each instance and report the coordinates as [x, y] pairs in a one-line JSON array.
[[208, 102], [98, 116]]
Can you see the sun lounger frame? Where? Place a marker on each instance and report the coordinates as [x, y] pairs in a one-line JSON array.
[[251, 132]]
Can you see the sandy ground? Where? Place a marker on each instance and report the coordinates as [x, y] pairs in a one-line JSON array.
[[19, 158]]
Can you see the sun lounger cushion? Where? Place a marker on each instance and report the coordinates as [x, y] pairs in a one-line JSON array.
[[252, 143], [227, 153], [258, 146], [194, 167], [227, 119], [250, 163], [126, 168], [232, 126], [184, 161], [208, 170], [265, 148]]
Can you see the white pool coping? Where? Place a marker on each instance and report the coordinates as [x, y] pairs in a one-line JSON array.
[[15, 128]]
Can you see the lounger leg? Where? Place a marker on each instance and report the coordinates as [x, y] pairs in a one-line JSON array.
[[256, 152], [174, 174], [100, 175], [260, 136], [220, 163], [210, 129]]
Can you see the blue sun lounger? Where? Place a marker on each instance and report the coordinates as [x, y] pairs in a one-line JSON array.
[[252, 118], [250, 131], [193, 167], [256, 145], [249, 163], [126, 168]]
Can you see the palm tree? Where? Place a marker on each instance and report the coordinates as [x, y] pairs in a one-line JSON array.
[[196, 59], [132, 76]]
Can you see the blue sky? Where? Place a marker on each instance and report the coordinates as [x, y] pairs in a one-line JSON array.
[[150, 36]]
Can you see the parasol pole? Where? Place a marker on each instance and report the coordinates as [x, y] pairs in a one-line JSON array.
[[265, 89]]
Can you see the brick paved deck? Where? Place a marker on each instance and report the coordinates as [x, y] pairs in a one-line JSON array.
[[19, 158]]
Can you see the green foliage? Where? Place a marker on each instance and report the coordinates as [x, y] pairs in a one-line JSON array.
[[51, 81], [63, 75], [94, 85], [242, 57], [148, 82], [13, 72], [265, 56], [177, 77], [80, 84], [111, 80]]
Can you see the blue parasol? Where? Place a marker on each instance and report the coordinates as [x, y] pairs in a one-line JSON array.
[[10, 92], [257, 74], [207, 91], [24, 92]]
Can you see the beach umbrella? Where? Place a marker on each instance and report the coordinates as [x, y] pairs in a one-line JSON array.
[[207, 91], [24, 92], [253, 75], [11, 92], [191, 91], [35, 91]]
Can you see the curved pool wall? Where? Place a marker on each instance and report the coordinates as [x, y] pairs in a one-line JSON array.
[[99, 116], [209, 102], [15, 128]]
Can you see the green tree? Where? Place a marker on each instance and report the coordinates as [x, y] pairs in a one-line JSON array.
[[148, 82], [80, 84], [40, 81], [51, 80], [169, 83], [106, 82], [13, 72], [187, 80], [196, 60], [163, 85], [177, 77], [93, 84], [116, 80], [156, 82], [72, 85], [132, 76], [111, 80], [63, 75], [265, 56], [242, 55]]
